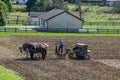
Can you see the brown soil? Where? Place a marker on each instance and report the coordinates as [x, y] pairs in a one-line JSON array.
[[103, 65]]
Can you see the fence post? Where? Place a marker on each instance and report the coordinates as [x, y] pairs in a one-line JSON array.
[[4, 29], [57, 30], [107, 30], [22, 22], [8, 22], [113, 23], [15, 30], [25, 29], [67, 30], [17, 20], [118, 31], [47, 29], [87, 30], [97, 30]]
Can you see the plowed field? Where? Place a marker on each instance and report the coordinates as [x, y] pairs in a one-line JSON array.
[[104, 63]]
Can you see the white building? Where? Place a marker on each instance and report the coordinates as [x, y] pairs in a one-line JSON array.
[[56, 19], [111, 2], [60, 19], [34, 18], [22, 1]]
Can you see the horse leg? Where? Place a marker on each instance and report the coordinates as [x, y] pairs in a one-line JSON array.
[[31, 55], [44, 53], [35, 56], [27, 52]]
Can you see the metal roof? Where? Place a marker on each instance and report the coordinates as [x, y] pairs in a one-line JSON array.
[[37, 14], [51, 14]]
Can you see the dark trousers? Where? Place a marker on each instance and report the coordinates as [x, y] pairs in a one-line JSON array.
[[61, 49]]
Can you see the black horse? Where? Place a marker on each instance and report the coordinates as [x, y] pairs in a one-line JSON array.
[[32, 49]]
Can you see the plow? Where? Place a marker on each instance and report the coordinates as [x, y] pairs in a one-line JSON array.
[[80, 51]]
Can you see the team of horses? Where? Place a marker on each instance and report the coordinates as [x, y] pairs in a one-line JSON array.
[[35, 50]]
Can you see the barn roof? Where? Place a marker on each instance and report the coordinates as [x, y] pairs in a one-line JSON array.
[[53, 13], [35, 14]]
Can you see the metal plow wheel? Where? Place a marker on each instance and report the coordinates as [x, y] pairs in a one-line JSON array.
[[87, 57], [69, 56]]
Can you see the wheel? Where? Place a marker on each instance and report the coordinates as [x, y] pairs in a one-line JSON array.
[[69, 56], [87, 57]]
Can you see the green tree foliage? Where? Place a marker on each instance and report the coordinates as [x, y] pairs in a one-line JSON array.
[[30, 4], [116, 8], [8, 3], [43, 5], [61, 4], [2, 19], [3, 12], [46, 5]]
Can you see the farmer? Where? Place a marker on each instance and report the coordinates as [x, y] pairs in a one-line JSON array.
[[44, 50], [60, 43]]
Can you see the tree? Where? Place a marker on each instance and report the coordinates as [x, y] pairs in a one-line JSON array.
[[116, 7], [43, 5], [78, 2], [30, 4], [3, 13], [8, 3], [61, 4], [46, 5]]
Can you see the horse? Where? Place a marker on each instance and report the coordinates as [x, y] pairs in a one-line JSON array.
[[32, 49]]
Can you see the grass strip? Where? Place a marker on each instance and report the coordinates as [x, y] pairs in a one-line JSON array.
[[53, 34], [6, 74]]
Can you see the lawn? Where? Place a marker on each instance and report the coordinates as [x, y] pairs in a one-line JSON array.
[[6, 74], [54, 34]]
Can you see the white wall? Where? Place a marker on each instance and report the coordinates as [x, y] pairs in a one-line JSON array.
[[34, 21], [22, 1], [64, 20]]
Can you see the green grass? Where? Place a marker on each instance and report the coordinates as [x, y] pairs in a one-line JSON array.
[[21, 15], [6, 74], [54, 34], [18, 7], [22, 18]]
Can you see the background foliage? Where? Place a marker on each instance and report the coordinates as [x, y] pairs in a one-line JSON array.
[[3, 13]]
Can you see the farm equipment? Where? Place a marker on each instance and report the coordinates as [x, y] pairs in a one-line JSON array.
[[80, 51]]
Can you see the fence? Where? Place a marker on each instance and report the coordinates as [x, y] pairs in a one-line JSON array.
[[17, 22], [65, 30], [108, 31], [102, 23], [98, 24]]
